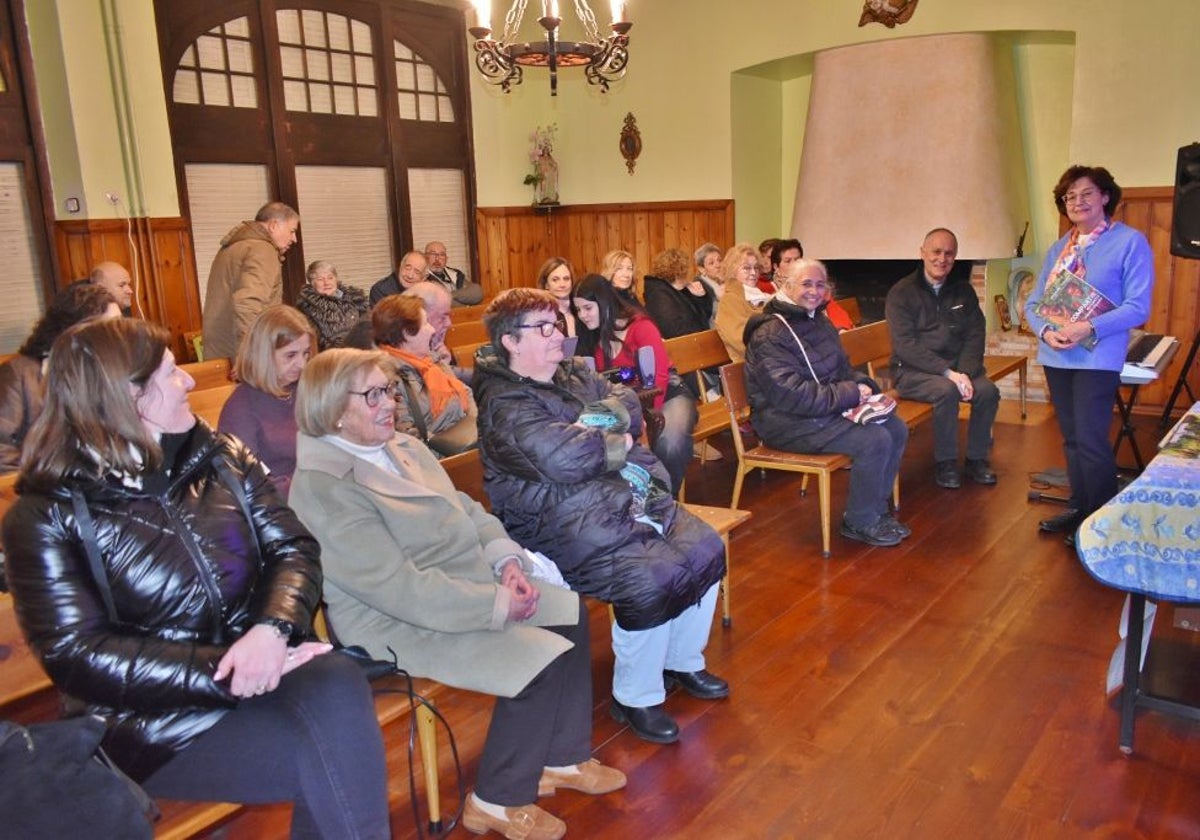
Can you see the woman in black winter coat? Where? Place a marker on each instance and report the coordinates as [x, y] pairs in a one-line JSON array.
[[566, 478], [800, 383], [332, 306], [165, 587]]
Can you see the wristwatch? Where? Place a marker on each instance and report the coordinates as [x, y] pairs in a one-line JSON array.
[[283, 629]]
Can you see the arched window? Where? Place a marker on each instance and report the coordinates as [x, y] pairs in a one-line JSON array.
[[349, 110]]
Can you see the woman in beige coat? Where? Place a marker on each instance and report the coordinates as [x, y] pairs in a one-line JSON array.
[[413, 566]]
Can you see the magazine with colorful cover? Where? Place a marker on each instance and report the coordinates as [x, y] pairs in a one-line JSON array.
[[1070, 298]]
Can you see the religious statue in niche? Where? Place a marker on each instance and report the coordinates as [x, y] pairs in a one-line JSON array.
[[891, 13], [630, 142]]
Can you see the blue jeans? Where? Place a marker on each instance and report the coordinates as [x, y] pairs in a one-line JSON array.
[[313, 741], [642, 655], [674, 446]]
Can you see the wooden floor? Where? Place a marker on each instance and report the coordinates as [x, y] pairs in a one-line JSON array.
[[952, 687]]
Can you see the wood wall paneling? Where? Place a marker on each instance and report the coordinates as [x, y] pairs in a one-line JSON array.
[[158, 254], [1175, 305], [515, 241]]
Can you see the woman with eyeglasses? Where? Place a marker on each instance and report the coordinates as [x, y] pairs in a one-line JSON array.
[[261, 411], [742, 297], [166, 587], [557, 277], [566, 478], [433, 404], [415, 569], [1083, 356], [800, 384]]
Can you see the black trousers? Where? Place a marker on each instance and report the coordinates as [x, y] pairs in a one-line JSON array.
[[1083, 402], [943, 394], [549, 724], [313, 741]]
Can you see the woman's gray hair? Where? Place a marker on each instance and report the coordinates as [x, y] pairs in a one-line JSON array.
[[318, 266], [326, 383], [703, 251]]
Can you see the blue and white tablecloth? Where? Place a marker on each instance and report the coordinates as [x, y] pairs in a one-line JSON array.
[[1147, 539]]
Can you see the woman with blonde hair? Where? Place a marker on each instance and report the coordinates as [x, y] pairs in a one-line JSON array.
[[261, 411], [620, 269], [742, 298]]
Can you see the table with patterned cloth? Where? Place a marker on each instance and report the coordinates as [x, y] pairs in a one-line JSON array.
[[1146, 541]]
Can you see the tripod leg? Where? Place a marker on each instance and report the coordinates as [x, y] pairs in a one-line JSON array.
[[1181, 383]]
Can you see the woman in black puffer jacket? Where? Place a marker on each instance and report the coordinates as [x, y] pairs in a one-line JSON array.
[[166, 588], [566, 479], [800, 383]]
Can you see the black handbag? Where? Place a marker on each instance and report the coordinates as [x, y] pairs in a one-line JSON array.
[[58, 783]]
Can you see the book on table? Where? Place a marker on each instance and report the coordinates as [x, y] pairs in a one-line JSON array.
[[1069, 298]]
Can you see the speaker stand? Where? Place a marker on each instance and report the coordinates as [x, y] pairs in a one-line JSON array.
[[1181, 383]]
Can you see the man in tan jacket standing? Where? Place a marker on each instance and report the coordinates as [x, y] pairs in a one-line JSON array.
[[246, 277]]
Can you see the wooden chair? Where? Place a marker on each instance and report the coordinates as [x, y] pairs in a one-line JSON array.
[[464, 354], [210, 374], [850, 304], [691, 355], [207, 404], [465, 332], [733, 383]]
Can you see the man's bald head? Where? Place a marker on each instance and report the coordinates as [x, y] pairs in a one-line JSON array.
[[436, 301], [113, 277]]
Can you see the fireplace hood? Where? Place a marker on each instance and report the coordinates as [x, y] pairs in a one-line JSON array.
[[906, 135]]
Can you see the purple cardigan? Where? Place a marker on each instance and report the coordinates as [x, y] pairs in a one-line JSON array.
[[1121, 266]]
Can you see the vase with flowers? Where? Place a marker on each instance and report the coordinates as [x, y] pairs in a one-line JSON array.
[[544, 175]]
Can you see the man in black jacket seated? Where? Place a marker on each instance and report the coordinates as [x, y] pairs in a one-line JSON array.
[[938, 333]]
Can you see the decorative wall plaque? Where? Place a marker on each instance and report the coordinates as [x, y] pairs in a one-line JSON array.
[[891, 13], [631, 142]]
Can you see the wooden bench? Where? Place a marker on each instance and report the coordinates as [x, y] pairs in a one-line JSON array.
[[207, 403], [465, 332], [212, 373], [691, 355], [464, 354]]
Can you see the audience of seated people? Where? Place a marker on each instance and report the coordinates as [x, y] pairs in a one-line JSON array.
[[433, 405], [800, 384], [22, 391], [567, 478], [409, 271], [261, 411], [557, 276], [332, 306], [166, 587], [613, 333]]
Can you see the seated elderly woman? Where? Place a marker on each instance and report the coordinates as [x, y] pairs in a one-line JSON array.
[[800, 385], [21, 391], [567, 479], [332, 306], [261, 411], [742, 297], [166, 587], [433, 404], [413, 566]]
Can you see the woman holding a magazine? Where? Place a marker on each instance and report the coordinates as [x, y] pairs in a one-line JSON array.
[[1093, 289]]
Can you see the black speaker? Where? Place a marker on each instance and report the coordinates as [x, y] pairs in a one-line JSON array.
[[1185, 219]]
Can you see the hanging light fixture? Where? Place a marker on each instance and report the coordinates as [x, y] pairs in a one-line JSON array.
[[501, 61]]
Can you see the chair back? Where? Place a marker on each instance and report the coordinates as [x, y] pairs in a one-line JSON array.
[[869, 345], [850, 304], [733, 386], [464, 354], [466, 472]]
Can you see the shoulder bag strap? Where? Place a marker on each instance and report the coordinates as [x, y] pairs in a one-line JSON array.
[[414, 409], [91, 547], [800, 344]]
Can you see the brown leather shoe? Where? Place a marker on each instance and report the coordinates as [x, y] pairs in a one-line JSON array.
[[529, 822], [593, 777]]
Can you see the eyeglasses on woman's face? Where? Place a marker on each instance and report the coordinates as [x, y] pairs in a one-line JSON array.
[[1074, 198], [545, 328], [373, 396]]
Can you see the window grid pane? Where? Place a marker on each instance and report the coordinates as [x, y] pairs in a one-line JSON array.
[[225, 57], [418, 88], [317, 48]]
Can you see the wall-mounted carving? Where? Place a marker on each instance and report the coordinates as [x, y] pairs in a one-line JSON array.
[[891, 13], [631, 142]]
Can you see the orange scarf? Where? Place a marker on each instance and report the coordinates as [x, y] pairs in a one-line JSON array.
[[442, 387]]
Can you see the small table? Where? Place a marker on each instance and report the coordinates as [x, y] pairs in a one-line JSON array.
[[1146, 541]]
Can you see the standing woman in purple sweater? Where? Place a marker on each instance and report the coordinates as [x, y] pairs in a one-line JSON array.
[[261, 411], [1083, 358]]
